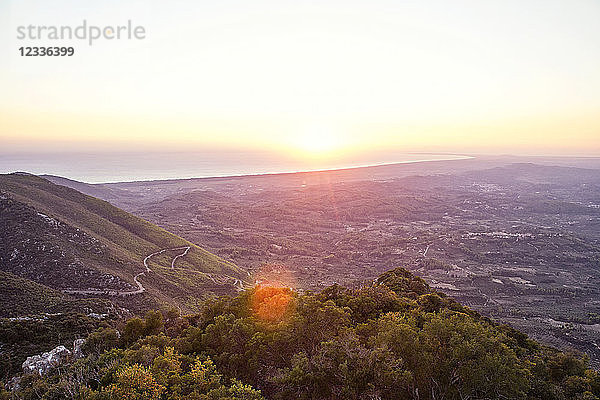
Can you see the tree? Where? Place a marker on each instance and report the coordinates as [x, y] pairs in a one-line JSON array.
[[135, 382], [101, 340], [133, 330]]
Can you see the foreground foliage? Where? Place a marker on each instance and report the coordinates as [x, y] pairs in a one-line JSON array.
[[396, 339]]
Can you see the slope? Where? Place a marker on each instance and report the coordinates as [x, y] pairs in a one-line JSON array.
[[76, 243]]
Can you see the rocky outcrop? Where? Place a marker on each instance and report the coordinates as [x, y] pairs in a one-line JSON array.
[[42, 363], [78, 348]]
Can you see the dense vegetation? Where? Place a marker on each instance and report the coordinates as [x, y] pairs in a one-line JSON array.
[[395, 339]]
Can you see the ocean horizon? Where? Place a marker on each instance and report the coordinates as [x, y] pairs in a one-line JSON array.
[[129, 167]]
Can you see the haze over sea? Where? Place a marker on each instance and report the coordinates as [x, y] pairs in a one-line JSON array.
[[136, 166]]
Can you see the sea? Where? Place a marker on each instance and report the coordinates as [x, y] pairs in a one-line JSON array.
[[104, 167]]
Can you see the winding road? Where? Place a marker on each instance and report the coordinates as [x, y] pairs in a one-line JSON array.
[[179, 255], [215, 278]]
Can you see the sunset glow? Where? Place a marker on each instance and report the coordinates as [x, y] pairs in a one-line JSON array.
[[311, 79], [318, 140], [282, 199]]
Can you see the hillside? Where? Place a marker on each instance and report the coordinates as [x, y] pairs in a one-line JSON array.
[[22, 297], [83, 246]]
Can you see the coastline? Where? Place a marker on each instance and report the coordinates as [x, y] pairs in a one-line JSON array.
[[92, 170]]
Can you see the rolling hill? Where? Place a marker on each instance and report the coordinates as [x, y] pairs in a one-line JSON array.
[[84, 247]]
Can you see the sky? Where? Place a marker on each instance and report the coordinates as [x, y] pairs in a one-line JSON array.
[[307, 77]]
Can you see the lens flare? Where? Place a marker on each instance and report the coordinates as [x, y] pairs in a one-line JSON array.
[[271, 304]]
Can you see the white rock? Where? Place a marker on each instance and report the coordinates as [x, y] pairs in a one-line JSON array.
[[78, 348], [97, 316], [42, 363]]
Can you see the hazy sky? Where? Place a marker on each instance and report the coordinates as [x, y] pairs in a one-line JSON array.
[[460, 76]]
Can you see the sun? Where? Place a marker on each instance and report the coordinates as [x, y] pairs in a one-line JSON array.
[[317, 140]]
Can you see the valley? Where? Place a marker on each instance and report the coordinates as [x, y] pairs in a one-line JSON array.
[[518, 242]]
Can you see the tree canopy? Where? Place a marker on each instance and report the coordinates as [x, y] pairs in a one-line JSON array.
[[393, 339]]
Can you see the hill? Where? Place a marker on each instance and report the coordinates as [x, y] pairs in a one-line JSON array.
[[74, 243], [393, 339]]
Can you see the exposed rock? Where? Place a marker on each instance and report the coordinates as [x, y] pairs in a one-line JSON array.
[[97, 316], [78, 348], [41, 364]]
